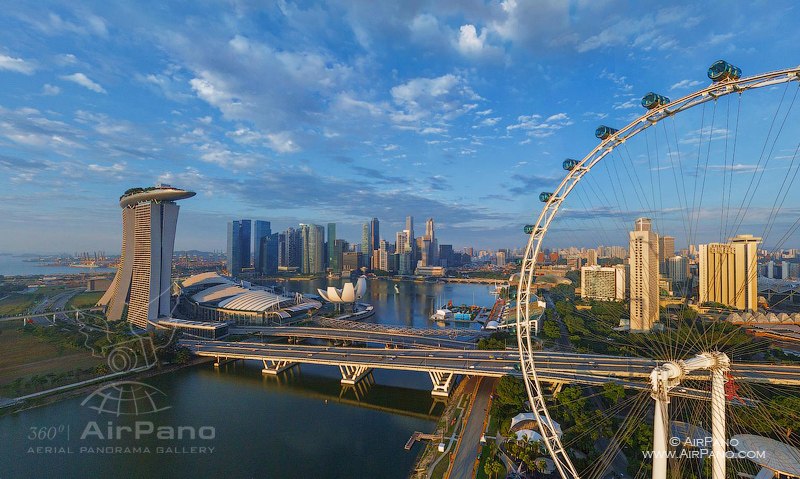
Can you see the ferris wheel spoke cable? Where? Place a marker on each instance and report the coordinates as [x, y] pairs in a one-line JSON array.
[[758, 171], [705, 170]]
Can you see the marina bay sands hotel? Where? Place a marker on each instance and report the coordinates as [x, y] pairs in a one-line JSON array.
[[143, 279]]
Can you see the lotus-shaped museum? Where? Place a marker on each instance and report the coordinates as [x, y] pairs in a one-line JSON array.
[[349, 294]]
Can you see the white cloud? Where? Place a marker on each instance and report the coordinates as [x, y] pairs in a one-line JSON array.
[[113, 170], [490, 121], [282, 142], [469, 42], [391, 147], [17, 65], [538, 127], [427, 104], [50, 90], [685, 84], [627, 104], [84, 81]]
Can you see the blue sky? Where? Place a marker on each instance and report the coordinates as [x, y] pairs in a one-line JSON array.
[[307, 112]]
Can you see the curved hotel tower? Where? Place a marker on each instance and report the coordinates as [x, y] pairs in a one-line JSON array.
[[143, 279]]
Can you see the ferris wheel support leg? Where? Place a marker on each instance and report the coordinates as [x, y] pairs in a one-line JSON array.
[[660, 440], [718, 447]]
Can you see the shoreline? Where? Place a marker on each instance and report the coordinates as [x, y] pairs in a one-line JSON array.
[[56, 396]]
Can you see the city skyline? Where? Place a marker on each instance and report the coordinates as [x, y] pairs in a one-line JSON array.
[[495, 110]]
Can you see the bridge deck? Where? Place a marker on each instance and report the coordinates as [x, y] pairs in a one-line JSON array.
[[551, 366]]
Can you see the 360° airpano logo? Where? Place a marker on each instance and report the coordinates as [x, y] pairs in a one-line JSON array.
[[121, 434]]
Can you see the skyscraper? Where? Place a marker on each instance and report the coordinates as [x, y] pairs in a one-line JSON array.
[[333, 258], [729, 273], [411, 242], [313, 241], [261, 229], [290, 251], [666, 250], [339, 247], [374, 234], [238, 246], [643, 260], [144, 276], [366, 244], [268, 254], [678, 269], [401, 242]]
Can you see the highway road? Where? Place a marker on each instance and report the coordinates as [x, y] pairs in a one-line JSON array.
[[469, 446], [396, 338], [556, 367]]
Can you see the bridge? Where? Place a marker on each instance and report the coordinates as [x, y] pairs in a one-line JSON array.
[[391, 337], [443, 365]]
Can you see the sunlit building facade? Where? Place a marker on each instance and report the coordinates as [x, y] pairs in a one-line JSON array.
[[144, 276], [729, 273], [643, 260]]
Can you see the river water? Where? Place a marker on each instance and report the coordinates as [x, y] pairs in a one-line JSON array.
[[301, 424]]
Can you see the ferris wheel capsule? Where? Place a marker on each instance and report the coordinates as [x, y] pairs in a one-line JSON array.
[[654, 100], [602, 132], [528, 229], [544, 197], [721, 70], [569, 164]]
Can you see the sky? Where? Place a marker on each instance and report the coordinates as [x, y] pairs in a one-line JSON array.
[[307, 112]]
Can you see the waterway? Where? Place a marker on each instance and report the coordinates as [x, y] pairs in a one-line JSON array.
[[12, 265], [301, 424]]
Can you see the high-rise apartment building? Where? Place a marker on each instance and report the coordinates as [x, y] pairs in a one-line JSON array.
[[678, 269], [238, 253], [591, 257], [261, 229], [643, 260], [603, 283], [729, 273], [144, 275], [313, 242], [500, 258]]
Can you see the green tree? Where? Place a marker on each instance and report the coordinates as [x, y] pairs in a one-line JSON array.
[[613, 392]]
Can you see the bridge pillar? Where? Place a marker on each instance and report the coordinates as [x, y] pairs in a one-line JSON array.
[[276, 367], [353, 374], [557, 387], [442, 383]]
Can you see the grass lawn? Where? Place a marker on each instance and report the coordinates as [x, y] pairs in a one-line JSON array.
[[25, 355], [84, 300], [480, 473], [17, 304]]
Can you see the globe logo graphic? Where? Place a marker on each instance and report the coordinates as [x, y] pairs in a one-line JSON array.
[[126, 398]]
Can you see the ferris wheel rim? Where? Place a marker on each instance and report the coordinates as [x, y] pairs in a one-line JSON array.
[[548, 212]]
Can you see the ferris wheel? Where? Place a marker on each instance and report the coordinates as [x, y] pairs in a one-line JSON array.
[[712, 167]]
